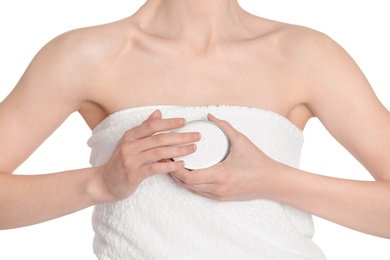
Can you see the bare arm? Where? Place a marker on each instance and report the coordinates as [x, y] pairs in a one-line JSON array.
[[345, 103], [343, 100], [55, 85], [340, 96]]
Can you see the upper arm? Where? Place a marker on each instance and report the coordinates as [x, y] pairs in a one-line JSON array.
[[343, 100], [51, 88]]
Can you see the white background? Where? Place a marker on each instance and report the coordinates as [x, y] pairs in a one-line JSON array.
[[361, 27]]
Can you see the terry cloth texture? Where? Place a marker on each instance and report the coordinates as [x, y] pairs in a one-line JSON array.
[[163, 220]]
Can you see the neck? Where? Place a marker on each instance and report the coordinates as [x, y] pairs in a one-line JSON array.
[[209, 20]]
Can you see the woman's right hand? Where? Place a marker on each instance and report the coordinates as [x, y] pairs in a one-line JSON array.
[[140, 152]]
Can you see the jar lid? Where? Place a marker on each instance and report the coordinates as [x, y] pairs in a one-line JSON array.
[[212, 148]]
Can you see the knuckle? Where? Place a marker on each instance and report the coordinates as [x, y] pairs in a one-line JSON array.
[[123, 150], [181, 138], [128, 135], [152, 168], [149, 126], [126, 148], [159, 139], [182, 150], [241, 137], [174, 122], [158, 153], [169, 166], [190, 138], [224, 122], [155, 168]]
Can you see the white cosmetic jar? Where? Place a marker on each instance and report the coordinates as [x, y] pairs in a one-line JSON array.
[[212, 148]]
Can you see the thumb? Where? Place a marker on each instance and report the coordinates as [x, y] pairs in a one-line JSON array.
[[228, 128]]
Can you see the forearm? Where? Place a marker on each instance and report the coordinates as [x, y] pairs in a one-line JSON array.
[[360, 205], [31, 199]]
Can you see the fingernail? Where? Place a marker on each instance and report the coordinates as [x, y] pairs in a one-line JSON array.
[[197, 136]]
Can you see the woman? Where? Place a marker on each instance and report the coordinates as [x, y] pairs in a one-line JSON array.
[[137, 61]]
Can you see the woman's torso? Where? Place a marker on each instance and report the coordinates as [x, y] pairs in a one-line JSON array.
[[163, 220], [136, 69]]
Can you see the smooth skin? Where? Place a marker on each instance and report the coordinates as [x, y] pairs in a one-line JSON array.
[[191, 52]]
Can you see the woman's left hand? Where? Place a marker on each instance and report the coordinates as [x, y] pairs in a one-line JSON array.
[[246, 174]]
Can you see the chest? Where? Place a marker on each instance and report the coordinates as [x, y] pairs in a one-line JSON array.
[[221, 77]]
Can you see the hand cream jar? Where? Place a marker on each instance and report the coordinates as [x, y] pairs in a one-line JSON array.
[[212, 148]]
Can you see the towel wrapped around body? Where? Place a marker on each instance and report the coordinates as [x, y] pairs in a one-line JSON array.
[[163, 220]]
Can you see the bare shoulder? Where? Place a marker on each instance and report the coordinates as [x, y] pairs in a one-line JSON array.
[[61, 78], [299, 47], [85, 57], [337, 92], [323, 62], [304, 44], [314, 58], [89, 46]]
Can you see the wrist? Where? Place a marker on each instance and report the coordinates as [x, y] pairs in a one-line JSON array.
[[96, 191], [282, 184]]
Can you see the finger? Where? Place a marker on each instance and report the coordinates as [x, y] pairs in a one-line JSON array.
[[158, 154], [227, 127], [162, 167], [208, 191], [197, 177], [155, 115], [167, 139], [204, 194], [177, 175], [176, 178], [194, 191], [151, 127], [200, 189]]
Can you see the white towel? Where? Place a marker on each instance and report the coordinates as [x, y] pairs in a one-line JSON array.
[[163, 220]]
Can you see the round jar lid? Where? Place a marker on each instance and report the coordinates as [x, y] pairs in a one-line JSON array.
[[212, 148]]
